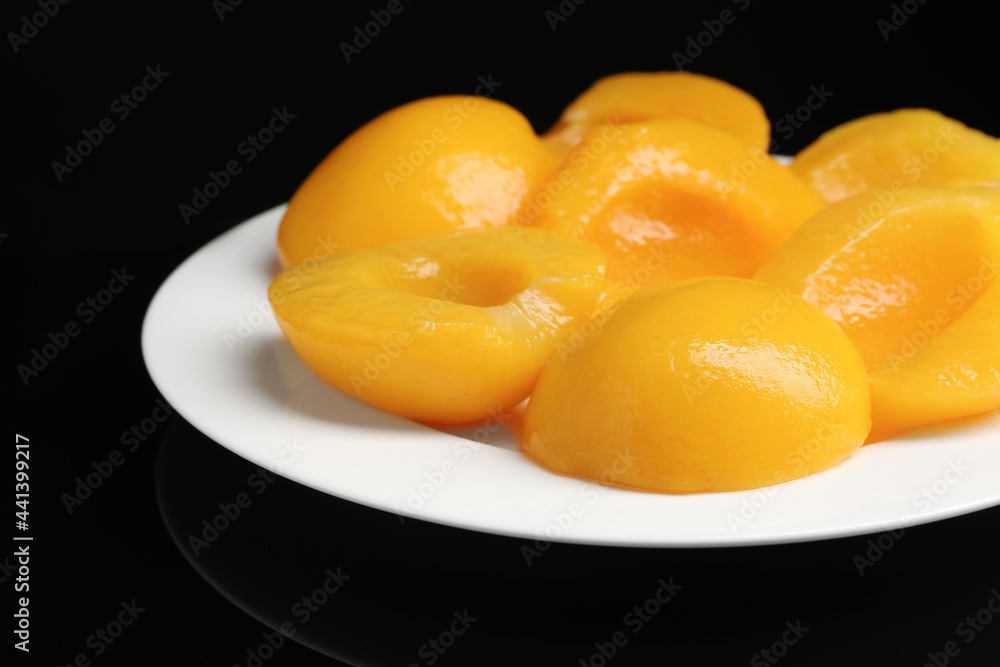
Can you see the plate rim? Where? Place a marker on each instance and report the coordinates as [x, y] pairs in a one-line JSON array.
[[440, 516]]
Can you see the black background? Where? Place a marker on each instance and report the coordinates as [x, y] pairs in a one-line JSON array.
[[119, 209]]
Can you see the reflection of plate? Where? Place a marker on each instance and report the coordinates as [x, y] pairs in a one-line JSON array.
[[214, 350]]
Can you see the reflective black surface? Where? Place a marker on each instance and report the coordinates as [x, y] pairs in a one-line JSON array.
[[379, 590], [118, 487]]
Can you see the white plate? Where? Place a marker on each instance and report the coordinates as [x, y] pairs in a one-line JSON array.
[[213, 348]]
